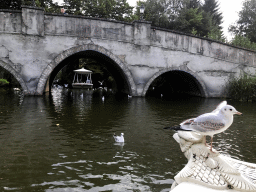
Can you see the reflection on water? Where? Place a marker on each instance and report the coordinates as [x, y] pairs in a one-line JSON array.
[[64, 142]]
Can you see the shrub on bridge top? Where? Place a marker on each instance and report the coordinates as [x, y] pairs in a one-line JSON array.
[[242, 41]]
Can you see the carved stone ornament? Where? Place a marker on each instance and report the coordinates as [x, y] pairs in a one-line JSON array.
[[211, 169]]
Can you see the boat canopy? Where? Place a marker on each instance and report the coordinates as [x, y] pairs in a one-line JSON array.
[[83, 71]]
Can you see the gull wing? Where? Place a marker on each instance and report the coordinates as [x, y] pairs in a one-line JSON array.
[[204, 123], [185, 124]]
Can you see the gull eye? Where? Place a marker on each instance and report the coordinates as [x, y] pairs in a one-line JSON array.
[[225, 109], [230, 109]]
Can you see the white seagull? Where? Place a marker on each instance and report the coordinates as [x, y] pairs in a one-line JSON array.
[[120, 138], [210, 123]]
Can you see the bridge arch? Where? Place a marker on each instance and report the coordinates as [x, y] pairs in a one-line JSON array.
[[83, 48], [16, 75], [198, 81]]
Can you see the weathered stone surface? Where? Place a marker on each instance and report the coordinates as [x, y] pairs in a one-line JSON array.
[[10, 21], [33, 21]]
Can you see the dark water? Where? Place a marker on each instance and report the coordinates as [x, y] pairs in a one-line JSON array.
[[64, 142]]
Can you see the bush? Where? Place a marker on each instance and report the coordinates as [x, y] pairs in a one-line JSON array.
[[244, 42], [3, 82], [242, 88]]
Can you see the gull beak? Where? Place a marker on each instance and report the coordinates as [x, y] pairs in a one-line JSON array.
[[238, 113]]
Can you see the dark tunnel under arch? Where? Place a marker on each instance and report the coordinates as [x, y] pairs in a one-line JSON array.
[[176, 83]]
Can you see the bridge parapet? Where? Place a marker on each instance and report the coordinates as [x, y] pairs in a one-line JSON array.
[[83, 27], [10, 21], [179, 41]]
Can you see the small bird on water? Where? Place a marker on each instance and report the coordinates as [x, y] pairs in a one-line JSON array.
[[210, 123], [119, 138]]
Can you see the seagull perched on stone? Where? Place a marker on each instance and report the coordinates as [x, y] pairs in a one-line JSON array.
[[210, 123], [119, 138]]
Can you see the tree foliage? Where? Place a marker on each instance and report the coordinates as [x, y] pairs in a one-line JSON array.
[[244, 42], [212, 8], [162, 13], [189, 16], [73, 7], [189, 21], [155, 12], [109, 9], [48, 5], [246, 24], [212, 20]]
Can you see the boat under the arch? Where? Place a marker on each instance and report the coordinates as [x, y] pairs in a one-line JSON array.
[[80, 82]]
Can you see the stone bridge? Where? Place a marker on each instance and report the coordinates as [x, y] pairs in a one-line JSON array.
[[35, 45]]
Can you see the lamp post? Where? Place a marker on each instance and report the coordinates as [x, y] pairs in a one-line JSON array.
[[142, 9]]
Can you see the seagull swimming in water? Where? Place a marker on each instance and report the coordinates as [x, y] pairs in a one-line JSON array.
[[119, 138], [210, 123]]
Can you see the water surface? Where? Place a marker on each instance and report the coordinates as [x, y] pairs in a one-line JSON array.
[[64, 142]]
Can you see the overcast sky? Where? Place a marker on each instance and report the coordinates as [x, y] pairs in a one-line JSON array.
[[229, 9]]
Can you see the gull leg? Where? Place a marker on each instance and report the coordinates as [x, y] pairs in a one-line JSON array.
[[211, 143], [205, 142]]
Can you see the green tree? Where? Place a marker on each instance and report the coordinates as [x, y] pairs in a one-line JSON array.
[[212, 8], [73, 7], [155, 12], [212, 20], [109, 9], [48, 5], [161, 13], [246, 24], [189, 16], [189, 20], [217, 34], [193, 4]]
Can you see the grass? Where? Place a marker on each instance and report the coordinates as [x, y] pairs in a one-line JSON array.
[[242, 88]]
